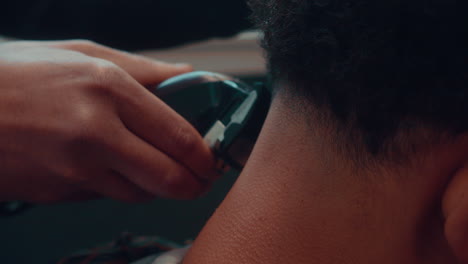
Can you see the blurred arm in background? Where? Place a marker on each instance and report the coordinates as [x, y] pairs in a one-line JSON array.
[[129, 25]]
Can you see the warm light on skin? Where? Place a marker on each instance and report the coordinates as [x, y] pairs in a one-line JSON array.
[[297, 202]]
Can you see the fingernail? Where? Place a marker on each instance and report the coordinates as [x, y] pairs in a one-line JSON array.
[[221, 167]]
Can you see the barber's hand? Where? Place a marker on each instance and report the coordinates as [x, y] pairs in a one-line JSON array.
[[76, 122]]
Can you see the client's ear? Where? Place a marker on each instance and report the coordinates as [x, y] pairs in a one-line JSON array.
[[455, 208]]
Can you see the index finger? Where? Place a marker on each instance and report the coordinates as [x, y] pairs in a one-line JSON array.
[[144, 70], [151, 119]]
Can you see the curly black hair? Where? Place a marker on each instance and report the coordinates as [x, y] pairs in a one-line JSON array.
[[376, 66]]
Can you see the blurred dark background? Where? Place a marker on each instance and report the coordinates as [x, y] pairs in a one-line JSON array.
[[129, 25], [44, 234]]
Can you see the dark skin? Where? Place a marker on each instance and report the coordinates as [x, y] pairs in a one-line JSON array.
[[77, 122], [297, 201]]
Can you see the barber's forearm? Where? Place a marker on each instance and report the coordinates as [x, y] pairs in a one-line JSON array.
[[124, 24]]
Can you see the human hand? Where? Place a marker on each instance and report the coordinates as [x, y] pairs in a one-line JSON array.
[[76, 122]]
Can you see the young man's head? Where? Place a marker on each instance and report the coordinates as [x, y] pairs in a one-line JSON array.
[[386, 82], [364, 155], [372, 69]]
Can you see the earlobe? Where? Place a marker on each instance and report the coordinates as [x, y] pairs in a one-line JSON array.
[[455, 209]]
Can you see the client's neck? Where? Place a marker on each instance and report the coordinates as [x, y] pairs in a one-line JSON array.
[[296, 203]]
